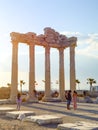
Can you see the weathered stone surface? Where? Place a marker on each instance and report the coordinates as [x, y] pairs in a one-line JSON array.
[[54, 37], [4, 101], [50, 36], [3, 110], [78, 126], [15, 114], [87, 99], [44, 119], [51, 99], [21, 116], [96, 101]]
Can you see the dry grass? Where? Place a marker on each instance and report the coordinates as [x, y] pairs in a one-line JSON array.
[[4, 92]]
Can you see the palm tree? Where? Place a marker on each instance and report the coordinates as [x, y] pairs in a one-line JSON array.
[[9, 84], [43, 81], [91, 82], [21, 83], [57, 82], [9, 87], [36, 83], [78, 82]]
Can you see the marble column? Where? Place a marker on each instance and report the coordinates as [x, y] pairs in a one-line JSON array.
[[72, 68], [61, 75], [47, 74], [32, 97], [14, 75]]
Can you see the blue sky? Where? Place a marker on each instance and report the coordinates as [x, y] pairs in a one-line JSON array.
[[70, 17]]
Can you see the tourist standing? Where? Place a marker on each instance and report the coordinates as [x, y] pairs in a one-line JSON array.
[[75, 100], [69, 98], [18, 100]]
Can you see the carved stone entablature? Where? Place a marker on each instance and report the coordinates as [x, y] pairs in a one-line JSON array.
[[53, 37], [23, 38], [40, 38], [50, 38]]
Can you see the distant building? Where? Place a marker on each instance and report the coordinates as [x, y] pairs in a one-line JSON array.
[[95, 88]]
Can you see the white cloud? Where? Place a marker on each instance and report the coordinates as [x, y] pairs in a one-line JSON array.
[[69, 34], [91, 45], [87, 44]]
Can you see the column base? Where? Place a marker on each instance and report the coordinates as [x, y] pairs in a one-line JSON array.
[[6, 101], [63, 99], [33, 100], [50, 99]]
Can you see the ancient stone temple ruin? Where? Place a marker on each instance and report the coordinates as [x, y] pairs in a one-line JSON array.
[[50, 39]]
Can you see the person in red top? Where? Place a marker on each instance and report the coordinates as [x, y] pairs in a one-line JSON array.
[[75, 100]]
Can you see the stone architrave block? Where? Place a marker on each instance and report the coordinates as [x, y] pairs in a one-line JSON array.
[[44, 119], [15, 114]]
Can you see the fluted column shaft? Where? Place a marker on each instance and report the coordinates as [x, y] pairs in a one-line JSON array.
[[31, 71], [14, 75], [47, 73], [72, 69], [61, 74]]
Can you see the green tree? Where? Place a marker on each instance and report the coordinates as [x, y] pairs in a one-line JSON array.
[[91, 81], [78, 82], [21, 84], [36, 83]]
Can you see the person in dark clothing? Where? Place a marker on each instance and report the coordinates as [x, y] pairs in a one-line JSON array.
[[69, 98]]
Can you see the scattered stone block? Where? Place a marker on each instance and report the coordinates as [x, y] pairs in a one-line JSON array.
[[3, 110], [21, 117], [44, 119], [78, 126], [96, 101], [4, 101], [19, 114]]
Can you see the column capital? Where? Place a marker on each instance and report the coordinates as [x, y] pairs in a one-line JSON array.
[[61, 49], [14, 42], [74, 44], [31, 43], [47, 47]]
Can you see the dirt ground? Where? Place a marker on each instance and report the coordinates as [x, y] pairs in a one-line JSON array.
[[85, 112]]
